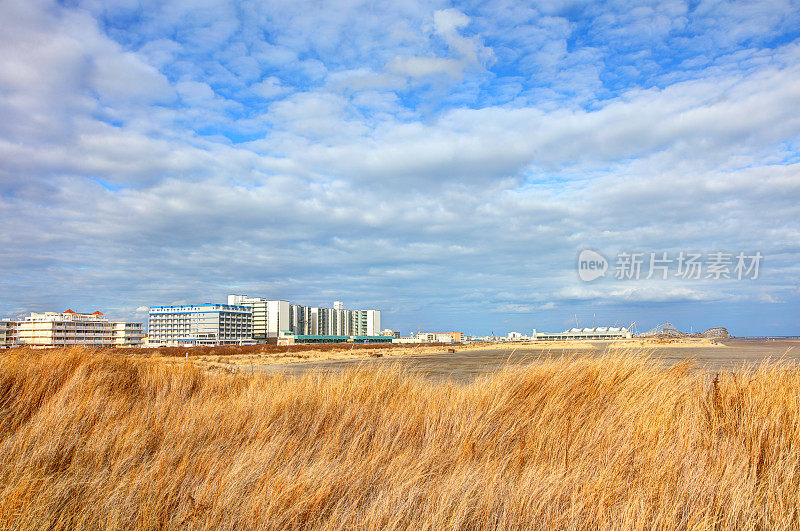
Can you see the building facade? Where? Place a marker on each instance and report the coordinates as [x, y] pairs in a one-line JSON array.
[[440, 337], [272, 318], [8, 333], [200, 325], [52, 329], [289, 338], [127, 334], [594, 333]]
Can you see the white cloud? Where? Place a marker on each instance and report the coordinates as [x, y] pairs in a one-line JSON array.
[[692, 120], [651, 293], [195, 93], [425, 66], [447, 24], [468, 51], [270, 88], [125, 77]]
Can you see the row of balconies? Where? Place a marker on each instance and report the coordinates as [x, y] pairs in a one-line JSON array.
[[184, 334], [199, 325], [100, 332], [187, 328], [197, 318], [80, 325], [162, 335], [190, 318], [222, 325]]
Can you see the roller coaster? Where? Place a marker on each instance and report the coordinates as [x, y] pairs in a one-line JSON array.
[[668, 331]]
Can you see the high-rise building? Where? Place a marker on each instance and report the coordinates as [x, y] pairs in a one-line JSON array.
[[269, 316], [203, 324], [51, 329], [272, 318]]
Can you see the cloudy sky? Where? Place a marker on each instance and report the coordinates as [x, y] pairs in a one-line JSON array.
[[444, 162]]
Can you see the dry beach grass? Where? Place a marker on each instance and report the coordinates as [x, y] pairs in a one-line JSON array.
[[95, 440]]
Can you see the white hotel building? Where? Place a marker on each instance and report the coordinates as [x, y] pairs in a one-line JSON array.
[[52, 329], [203, 325], [271, 318]]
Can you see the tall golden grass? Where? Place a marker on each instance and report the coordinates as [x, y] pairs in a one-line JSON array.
[[101, 441]]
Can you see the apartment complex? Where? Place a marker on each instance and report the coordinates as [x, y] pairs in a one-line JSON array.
[[52, 329], [203, 325], [272, 318]]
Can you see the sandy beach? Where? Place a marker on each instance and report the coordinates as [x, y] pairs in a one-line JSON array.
[[255, 356]]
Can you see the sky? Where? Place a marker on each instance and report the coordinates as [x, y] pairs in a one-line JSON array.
[[443, 162]]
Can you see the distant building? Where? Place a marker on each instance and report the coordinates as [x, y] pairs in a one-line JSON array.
[[594, 333], [202, 325], [440, 337], [274, 318], [8, 333], [290, 338], [51, 329]]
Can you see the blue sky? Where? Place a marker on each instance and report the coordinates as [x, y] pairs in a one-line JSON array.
[[445, 162]]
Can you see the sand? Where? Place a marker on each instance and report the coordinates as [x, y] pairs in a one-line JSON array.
[[353, 352]]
